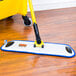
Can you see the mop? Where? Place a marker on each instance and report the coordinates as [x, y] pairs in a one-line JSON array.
[[38, 47]]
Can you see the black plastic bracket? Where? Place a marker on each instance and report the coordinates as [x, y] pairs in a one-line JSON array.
[[37, 33]]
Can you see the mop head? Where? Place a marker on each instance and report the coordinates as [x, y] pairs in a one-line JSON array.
[[51, 49]]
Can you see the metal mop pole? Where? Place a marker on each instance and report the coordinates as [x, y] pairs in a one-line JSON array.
[[38, 42]]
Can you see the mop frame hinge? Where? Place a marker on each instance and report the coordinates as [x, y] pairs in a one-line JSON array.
[[41, 45]]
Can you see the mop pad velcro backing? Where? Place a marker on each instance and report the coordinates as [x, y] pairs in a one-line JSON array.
[[51, 49]]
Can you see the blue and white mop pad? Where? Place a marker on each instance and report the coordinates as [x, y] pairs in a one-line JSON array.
[[51, 49]]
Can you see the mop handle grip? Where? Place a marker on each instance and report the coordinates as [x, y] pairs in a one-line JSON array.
[[38, 39]]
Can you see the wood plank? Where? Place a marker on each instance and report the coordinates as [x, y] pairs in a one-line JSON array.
[[55, 26]]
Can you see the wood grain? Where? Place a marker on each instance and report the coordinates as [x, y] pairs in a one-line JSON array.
[[57, 26]]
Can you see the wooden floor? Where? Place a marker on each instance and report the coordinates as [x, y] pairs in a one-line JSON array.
[[55, 26]]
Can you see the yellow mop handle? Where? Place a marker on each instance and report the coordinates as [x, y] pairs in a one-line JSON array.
[[32, 11], [38, 42]]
